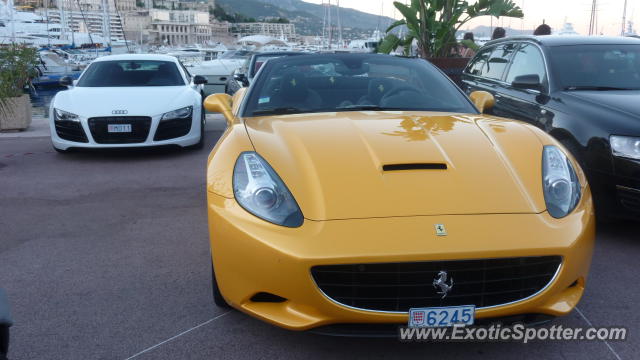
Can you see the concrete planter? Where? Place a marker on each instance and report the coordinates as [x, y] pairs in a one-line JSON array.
[[452, 67], [16, 114]]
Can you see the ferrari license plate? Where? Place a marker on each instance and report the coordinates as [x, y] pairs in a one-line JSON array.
[[119, 128], [441, 316]]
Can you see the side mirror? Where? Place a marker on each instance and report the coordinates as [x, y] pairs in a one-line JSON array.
[[66, 81], [241, 78], [483, 100], [199, 80], [527, 82], [220, 103]]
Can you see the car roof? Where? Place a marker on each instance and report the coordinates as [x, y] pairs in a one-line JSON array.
[[281, 53], [563, 40], [157, 57]]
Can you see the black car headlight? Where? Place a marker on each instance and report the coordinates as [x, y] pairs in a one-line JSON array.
[[560, 183], [625, 146], [182, 113], [260, 191], [61, 115]]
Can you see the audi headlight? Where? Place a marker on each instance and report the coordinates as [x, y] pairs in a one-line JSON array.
[[625, 146], [182, 113], [61, 115], [260, 191], [559, 181]]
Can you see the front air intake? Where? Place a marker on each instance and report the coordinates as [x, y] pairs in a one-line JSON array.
[[420, 166]]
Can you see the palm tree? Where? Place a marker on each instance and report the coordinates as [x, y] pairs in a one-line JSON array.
[[433, 23]]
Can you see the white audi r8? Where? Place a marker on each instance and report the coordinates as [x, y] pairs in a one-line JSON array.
[[129, 101]]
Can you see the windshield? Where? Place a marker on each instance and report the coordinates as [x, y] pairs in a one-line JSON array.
[[261, 59], [597, 66], [351, 82], [131, 73]]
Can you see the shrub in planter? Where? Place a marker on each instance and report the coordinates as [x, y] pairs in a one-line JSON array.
[[17, 68]]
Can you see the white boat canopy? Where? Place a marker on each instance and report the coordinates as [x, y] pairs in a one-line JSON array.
[[260, 40]]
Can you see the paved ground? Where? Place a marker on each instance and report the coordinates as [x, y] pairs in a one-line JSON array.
[[105, 256]]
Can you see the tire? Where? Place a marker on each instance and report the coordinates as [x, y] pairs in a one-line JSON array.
[[4, 342], [217, 295], [203, 121]]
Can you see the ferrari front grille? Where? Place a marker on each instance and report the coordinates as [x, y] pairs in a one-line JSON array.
[[398, 287]]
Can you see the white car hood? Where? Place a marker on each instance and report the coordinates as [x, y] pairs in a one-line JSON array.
[[136, 101]]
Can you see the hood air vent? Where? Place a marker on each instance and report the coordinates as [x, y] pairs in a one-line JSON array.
[[420, 166]]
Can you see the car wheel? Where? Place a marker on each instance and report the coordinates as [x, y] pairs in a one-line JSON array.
[[4, 342], [203, 121], [217, 295]]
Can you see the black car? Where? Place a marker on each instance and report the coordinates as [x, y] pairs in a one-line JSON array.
[[584, 91], [244, 75], [5, 323]]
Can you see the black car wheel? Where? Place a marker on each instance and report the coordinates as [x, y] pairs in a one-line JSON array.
[[4, 342], [217, 295]]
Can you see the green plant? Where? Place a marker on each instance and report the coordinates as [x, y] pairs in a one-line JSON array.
[[433, 23], [17, 68]]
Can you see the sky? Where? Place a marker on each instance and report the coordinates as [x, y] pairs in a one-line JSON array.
[[553, 12]]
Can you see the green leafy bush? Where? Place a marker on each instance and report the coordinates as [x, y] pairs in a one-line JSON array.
[[17, 68]]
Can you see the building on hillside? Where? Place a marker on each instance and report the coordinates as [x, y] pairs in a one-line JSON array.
[[88, 22], [96, 5], [276, 30], [179, 27], [136, 25]]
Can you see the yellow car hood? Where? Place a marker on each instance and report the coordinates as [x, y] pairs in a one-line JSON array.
[[333, 163]]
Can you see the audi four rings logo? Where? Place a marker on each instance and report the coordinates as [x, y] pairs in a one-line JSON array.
[[119, 112]]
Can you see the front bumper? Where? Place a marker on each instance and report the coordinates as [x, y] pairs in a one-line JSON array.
[[252, 256], [80, 135], [617, 195]]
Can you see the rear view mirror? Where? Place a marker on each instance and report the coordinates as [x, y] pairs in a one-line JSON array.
[[483, 100], [527, 82], [220, 103], [66, 81], [199, 80]]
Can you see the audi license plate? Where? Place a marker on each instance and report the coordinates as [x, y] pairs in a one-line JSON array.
[[119, 128], [441, 316]]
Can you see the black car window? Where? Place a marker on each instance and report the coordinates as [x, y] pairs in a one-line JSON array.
[[527, 61], [498, 60], [122, 73], [607, 66], [477, 66]]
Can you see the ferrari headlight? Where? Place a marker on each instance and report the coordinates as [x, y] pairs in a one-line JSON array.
[[260, 191], [625, 146], [182, 113], [559, 182], [61, 115]]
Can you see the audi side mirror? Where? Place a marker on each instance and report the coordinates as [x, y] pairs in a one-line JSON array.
[[199, 80], [527, 82], [66, 81]]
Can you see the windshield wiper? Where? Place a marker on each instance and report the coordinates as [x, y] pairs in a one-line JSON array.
[[366, 107], [597, 88], [278, 111]]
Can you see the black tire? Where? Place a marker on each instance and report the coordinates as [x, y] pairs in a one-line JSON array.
[[4, 342], [217, 295], [203, 121]]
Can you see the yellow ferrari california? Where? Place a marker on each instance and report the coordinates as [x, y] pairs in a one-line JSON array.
[[358, 189]]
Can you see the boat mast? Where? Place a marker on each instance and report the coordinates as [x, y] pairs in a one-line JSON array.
[[593, 28], [339, 23], [330, 25], [13, 26], [106, 22], [624, 17]]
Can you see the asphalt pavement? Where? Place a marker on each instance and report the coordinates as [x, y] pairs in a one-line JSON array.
[[105, 256]]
